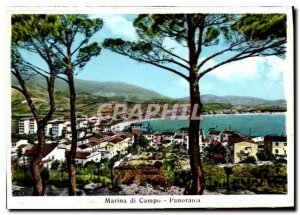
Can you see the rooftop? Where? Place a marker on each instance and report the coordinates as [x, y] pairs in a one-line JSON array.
[[48, 148]]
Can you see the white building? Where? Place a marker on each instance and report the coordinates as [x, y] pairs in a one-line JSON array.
[[27, 126], [57, 128]]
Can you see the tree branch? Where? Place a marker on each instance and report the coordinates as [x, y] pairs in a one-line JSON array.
[[17, 88], [245, 54], [25, 93], [170, 53]]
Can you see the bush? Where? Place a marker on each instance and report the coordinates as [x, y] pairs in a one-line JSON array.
[[18, 178], [143, 182], [129, 180], [158, 164], [249, 159], [182, 178]]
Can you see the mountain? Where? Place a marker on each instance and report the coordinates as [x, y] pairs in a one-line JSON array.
[[105, 89], [238, 100], [92, 93]]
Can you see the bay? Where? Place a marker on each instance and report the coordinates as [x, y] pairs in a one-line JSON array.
[[247, 124]]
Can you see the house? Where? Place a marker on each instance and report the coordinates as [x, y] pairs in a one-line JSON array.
[[150, 137], [157, 139], [136, 126], [48, 157], [168, 137], [57, 127], [179, 139], [183, 131], [95, 120], [277, 145], [118, 144], [146, 127], [245, 149], [82, 157], [27, 126], [214, 135], [141, 126], [82, 123]]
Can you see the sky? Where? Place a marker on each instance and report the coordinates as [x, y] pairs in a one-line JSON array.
[[257, 77]]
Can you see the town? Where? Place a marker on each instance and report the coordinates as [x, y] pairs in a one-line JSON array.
[[135, 143]]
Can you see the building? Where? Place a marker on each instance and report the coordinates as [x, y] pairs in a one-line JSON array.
[[245, 149], [48, 156], [149, 136], [118, 144], [168, 137], [27, 126], [141, 126], [57, 128], [136, 126], [183, 131], [277, 145], [214, 135], [82, 157]]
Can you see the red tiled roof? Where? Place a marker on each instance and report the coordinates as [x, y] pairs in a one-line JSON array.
[[235, 138], [82, 155], [47, 149], [94, 139], [79, 154], [136, 132], [115, 140]]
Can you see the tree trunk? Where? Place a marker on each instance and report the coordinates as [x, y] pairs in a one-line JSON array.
[[197, 184], [112, 177], [35, 163], [227, 183], [72, 153]]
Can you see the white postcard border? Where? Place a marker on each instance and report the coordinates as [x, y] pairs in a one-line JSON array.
[[206, 201]]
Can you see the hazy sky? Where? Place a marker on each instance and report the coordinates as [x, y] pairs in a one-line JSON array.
[[258, 77]]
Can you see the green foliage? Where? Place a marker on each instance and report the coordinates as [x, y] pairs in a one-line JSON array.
[[248, 159], [170, 168], [55, 165], [22, 177], [217, 106], [27, 27], [262, 26], [216, 152], [265, 155], [211, 36], [86, 53], [142, 142]]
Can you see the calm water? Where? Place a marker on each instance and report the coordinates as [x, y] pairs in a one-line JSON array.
[[259, 124]]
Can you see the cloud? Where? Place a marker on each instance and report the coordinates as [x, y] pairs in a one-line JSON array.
[[117, 26], [270, 68], [120, 27]]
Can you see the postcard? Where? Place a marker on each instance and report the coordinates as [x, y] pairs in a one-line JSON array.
[[150, 107]]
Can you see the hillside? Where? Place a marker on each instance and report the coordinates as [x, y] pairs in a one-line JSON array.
[[90, 94], [239, 100], [96, 88]]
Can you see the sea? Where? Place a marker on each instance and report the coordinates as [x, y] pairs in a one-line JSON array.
[[246, 124]]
